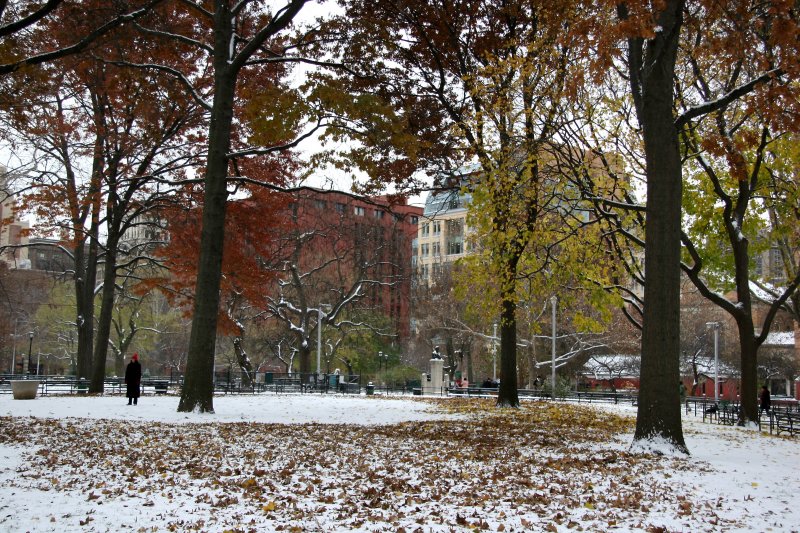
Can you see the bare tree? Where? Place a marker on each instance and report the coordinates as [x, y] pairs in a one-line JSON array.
[[335, 262]]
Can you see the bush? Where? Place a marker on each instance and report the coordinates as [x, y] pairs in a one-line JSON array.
[[563, 387]]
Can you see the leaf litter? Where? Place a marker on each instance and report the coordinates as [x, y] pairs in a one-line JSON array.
[[545, 467]]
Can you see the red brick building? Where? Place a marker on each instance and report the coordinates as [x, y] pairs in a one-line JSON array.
[[366, 237]]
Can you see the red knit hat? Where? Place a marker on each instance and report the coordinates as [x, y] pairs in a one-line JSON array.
[[135, 357]]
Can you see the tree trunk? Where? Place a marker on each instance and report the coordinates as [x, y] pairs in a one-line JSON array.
[[119, 363], [86, 276], [743, 313], [198, 387], [507, 395], [304, 364], [470, 373], [104, 320], [450, 357], [748, 391], [695, 378], [244, 363], [659, 414]]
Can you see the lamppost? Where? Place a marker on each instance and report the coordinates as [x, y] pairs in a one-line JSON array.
[[30, 349], [715, 327], [553, 301], [14, 355], [380, 360], [320, 314], [494, 353]]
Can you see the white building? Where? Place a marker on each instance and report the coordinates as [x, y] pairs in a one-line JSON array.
[[13, 231], [441, 237]]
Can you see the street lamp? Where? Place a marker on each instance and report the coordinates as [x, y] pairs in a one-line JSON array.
[[715, 327], [30, 349], [384, 357], [553, 301]]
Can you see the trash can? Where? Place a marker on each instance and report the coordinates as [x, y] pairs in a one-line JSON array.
[[417, 392], [370, 389]]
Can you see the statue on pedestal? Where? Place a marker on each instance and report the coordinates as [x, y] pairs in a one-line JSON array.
[[436, 354]]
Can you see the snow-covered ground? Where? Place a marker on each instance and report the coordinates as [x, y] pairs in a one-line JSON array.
[[343, 463]]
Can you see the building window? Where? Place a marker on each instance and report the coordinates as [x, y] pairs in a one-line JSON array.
[[455, 247], [437, 248], [758, 268], [340, 207], [424, 250], [414, 220], [426, 230], [437, 227], [320, 204], [776, 264], [455, 227], [378, 214], [359, 211]]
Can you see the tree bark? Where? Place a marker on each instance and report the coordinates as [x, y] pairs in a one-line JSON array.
[[748, 393], [470, 373], [743, 311], [244, 363], [86, 276], [97, 382], [659, 415], [198, 387], [507, 395], [304, 364]]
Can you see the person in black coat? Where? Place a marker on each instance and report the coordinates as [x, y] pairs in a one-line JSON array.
[[133, 378], [765, 400]]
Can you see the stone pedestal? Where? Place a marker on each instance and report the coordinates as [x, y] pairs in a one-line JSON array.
[[434, 386], [24, 389]]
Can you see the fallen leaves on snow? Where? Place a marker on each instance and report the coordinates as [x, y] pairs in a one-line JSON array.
[[550, 467]]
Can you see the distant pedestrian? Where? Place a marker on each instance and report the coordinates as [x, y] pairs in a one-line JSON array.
[[133, 379], [765, 400]]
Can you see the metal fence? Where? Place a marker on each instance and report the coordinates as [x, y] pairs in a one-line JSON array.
[[225, 382]]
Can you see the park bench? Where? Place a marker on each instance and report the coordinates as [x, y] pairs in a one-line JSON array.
[[784, 421], [471, 391], [115, 386], [727, 414]]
